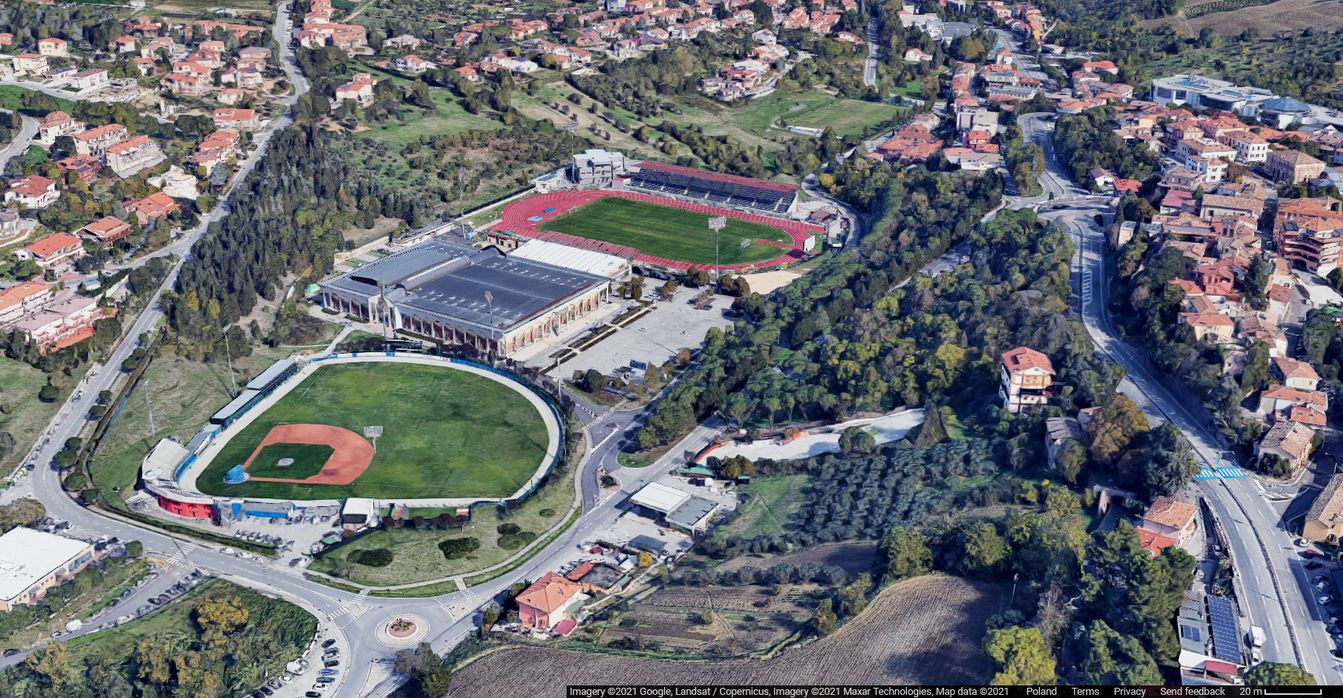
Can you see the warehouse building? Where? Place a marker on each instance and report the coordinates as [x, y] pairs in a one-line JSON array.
[[31, 562], [483, 299]]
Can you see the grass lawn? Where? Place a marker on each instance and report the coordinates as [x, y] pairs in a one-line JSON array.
[[416, 556], [308, 460], [181, 395], [449, 118], [812, 109], [668, 232], [25, 416], [771, 504], [13, 98], [446, 433]]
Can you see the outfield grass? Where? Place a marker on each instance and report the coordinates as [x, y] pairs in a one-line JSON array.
[[446, 433], [308, 460], [667, 232]]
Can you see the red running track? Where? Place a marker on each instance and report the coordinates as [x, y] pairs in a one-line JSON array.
[[515, 218]]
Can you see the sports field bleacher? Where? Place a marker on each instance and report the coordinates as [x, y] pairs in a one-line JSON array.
[[714, 187]]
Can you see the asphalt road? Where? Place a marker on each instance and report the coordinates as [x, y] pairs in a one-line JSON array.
[[22, 139], [1272, 584]]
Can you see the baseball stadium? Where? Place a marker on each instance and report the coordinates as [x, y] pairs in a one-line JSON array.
[[658, 214], [384, 426]]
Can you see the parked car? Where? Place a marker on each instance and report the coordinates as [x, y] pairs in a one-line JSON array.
[[11, 652], [328, 642], [312, 694], [328, 672], [330, 663], [325, 679]]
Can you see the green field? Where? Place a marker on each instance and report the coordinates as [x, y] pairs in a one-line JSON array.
[[416, 556], [308, 460], [446, 433], [448, 117], [769, 507], [813, 110], [671, 233]]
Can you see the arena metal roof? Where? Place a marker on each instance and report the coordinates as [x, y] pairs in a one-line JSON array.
[[460, 284], [587, 261]]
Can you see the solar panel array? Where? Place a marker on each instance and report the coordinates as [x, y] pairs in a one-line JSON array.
[[1225, 633]]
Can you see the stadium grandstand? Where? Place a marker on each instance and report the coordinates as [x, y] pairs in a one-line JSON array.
[[714, 188]]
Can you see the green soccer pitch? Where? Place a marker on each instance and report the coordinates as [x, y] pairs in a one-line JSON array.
[[671, 233], [447, 433]]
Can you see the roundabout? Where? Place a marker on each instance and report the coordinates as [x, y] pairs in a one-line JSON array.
[[402, 630]]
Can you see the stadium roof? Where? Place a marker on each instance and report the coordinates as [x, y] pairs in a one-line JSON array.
[[234, 405], [463, 285], [587, 261], [659, 497], [268, 376], [1225, 634], [718, 176], [27, 556]]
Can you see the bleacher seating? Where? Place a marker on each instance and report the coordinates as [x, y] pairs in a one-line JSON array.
[[759, 194]]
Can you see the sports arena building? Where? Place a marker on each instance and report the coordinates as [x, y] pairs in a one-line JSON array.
[[455, 293], [714, 188]]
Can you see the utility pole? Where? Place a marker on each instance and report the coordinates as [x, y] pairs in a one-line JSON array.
[[228, 354], [717, 224]]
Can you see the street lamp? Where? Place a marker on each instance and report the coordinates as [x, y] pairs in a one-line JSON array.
[[716, 224]]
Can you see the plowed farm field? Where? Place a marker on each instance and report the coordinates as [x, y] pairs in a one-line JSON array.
[[921, 631]]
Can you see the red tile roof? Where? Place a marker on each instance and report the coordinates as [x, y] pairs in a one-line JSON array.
[[1025, 359]]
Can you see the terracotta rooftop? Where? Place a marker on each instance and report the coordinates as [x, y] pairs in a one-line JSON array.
[[1026, 359], [549, 593], [1171, 512]]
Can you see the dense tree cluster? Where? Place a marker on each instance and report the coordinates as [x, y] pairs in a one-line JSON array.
[[287, 217], [234, 640], [1088, 140], [638, 84]]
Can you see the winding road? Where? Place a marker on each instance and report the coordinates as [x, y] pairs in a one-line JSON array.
[[1272, 584], [22, 139]]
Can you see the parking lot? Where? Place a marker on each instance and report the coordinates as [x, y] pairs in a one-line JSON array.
[[666, 329]]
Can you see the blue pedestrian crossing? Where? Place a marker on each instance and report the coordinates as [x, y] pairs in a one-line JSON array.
[[1226, 472]]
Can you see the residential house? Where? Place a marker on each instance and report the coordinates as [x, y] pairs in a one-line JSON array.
[[1292, 166], [217, 148], [23, 298], [56, 124], [122, 44], [53, 47], [64, 324], [90, 79], [56, 251], [403, 41], [1288, 440], [1025, 379], [1171, 517], [358, 90], [546, 603], [234, 118], [32, 191], [413, 64], [11, 223], [1210, 326], [133, 155], [1250, 147], [153, 207], [1058, 431], [98, 139], [234, 96], [1324, 519], [1295, 374], [105, 231], [1276, 399], [86, 167], [30, 65]]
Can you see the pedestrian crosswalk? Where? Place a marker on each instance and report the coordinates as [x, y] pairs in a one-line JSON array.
[[177, 561], [1225, 472], [348, 609]]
